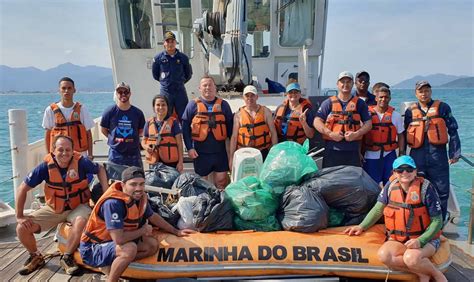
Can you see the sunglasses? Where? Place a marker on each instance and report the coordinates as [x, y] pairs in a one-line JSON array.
[[407, 169], [123, 92]]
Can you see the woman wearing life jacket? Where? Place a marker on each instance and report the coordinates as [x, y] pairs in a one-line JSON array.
[[162, 137], [253, 126], [413, 219], [293, 118]]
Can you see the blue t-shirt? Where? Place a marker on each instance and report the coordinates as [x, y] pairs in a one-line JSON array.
[[171, 71], [210, 145], [40, 173], [323, 113], [175, 128], [114, 211], [370, 100], [431, 200], [124, 127]]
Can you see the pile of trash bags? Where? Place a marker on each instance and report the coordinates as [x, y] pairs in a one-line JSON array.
[[161, 175]]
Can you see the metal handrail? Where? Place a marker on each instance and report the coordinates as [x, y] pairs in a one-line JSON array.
[[470, 230]]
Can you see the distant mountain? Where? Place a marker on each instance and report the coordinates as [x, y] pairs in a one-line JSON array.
[[434, 79], [87, 78], [466, 82]]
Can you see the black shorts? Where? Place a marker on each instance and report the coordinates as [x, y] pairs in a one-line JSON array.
[[204, 164]]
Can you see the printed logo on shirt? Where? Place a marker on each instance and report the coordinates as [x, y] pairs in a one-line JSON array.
[[124, 128], [115, 217]]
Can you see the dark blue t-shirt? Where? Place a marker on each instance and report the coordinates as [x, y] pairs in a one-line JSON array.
[[370, 101], [175, 128], [40, 173], [124, 127], [431, 200], [210, 145], [171, 71], [113, 211], [323, 113]]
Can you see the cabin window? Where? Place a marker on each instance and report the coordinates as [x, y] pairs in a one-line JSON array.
[[258, 27], [171, 19], [296, 22], [135, 22]]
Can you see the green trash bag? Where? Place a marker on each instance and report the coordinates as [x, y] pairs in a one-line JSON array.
[[286, 164], [251, 198], [335, 218], [268, 224]]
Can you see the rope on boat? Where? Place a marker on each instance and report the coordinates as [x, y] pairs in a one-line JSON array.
[[9, 150], [388, 274], [9, 179]]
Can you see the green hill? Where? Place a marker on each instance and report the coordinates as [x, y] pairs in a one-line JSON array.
[[465, 82]]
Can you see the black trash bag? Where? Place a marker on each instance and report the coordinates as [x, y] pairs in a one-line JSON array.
[[348, 189], [163, 210], [192, 184], [303, 210], [212, 212], [161, 175], [114, 171]]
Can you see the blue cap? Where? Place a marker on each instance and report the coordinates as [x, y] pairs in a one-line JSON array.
[[404, 160], [293, 86]]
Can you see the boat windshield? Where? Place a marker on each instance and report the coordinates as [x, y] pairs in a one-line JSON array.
[[135, 22], [296, 22]]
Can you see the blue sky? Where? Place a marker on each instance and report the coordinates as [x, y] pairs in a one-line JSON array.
[[393, 40]]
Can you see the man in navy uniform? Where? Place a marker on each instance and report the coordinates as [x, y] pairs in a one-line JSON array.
[[172, 69], [362, 82]]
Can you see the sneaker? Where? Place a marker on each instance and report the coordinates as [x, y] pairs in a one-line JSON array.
[[69, 265], [34, 262]]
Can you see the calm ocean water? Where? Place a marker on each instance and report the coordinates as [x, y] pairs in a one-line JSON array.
[[35, 103]]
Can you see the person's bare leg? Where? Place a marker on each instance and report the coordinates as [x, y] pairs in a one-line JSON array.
[[78, 225], [417, 261], [391, 254], [26, 237], [147, 247], [125, 254], [221, 180]]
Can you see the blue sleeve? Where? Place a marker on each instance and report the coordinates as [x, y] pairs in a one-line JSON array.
[[310, 117], [113, 212], [105, 121], [141, 119], [432, 201], [38, 175], [452, 125], [324, 109], [363, 110], [145, 130], [155, 69], [148, 212], [176, 128], [187, 118], [188, 70], [229, 117], [383, 196], [88, 166]]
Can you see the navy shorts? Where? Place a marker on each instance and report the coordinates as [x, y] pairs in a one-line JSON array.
[[204, 164], [436, 243], [97, 255]]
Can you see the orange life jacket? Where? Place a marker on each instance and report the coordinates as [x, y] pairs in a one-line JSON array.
[[343, 120], [430, 123], [294, 130], [406, 217], [253, 132], [383, 135], [205, 121], [72, 191], [96, 231], [73, 128], [165, 145]]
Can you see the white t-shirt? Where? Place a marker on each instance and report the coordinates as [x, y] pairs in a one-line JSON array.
[[398, 122], [86, 120]]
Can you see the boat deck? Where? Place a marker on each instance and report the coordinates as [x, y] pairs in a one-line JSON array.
[[13, 255]]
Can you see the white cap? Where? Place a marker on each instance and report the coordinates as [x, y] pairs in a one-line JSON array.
[[250, 89], [345, 74]]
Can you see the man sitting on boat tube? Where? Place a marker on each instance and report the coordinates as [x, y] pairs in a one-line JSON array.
[[67, 197], [413, 219], [117, 231]]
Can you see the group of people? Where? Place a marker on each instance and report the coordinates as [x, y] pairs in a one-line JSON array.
[[360, 129]]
